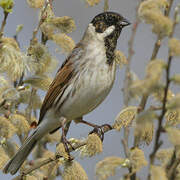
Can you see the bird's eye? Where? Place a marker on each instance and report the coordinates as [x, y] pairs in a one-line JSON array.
[[100, 27]]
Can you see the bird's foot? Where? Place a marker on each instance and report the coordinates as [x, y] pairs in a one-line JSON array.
[[67, 149], [100, 130]]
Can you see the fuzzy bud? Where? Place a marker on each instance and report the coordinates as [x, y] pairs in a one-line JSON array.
[[120, 58], [92, 2], [158, 172], [125, 117], [107, 167], [174, 47], [36, 3], [137, 159], [93, 146], [73, 170], [65, 42]]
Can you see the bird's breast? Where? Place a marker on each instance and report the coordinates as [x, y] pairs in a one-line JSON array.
[[91, 84]]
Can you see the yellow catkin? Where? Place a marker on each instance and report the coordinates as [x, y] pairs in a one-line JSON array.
[[74, 171], [107, 167], [159, 94], [125, 117], [42, 82], [172, 118], [40, 59], [3, 158], [151, 83], [12, 60], [65, 42], [151, 12], [36, 3], [65, 24], [137, 159], [174, 103], [174, 46], [7, 130], [144, 126], [164, 156], [173, 135], [144, 132], [158, 173], [60, 151], [120, 58], [93, 146], [154, 69], [49, 170], [20, 122], [93, 2], [26, 95]]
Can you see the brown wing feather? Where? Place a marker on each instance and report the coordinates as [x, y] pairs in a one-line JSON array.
[[61, 79]]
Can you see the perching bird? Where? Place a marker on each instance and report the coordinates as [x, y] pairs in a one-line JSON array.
[[80, 85]]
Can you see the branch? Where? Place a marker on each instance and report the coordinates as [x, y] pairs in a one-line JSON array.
[[43, 17], [3, 23], [171, 168], [106, 5]]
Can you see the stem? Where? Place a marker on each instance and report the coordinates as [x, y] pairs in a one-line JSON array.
[[3, 23], [106, 5], [160, 119], [157, 46], [40, 22]]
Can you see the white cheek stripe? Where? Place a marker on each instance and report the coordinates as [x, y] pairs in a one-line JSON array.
[[108, 31], [100, 36]]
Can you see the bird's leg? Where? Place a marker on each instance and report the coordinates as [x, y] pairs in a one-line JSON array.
[[64, 139], [66, 129], [99, 130]]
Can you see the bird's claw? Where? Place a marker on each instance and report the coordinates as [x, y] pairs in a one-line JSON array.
[[66, 143], [100, 130]]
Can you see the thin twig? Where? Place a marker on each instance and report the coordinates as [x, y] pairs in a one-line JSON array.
[[106, 5], [171, 168], [160, 119], [167, 11], [43, 17], [3, 23]]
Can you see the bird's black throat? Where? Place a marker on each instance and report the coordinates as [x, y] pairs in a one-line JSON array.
[[110, 46]]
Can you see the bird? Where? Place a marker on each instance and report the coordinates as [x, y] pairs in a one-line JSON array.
[[82, 83]]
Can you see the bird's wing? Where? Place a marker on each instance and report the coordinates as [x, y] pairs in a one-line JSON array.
[[62, 78]]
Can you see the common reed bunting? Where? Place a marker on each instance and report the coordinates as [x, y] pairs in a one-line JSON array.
[[80, 85]]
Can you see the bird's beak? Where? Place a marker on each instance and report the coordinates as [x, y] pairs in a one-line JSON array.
[[125, 22]]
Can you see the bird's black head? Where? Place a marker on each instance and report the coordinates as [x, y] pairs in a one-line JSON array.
[[104, 20]]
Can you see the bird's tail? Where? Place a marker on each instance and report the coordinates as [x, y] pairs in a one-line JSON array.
[[15, 163]]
